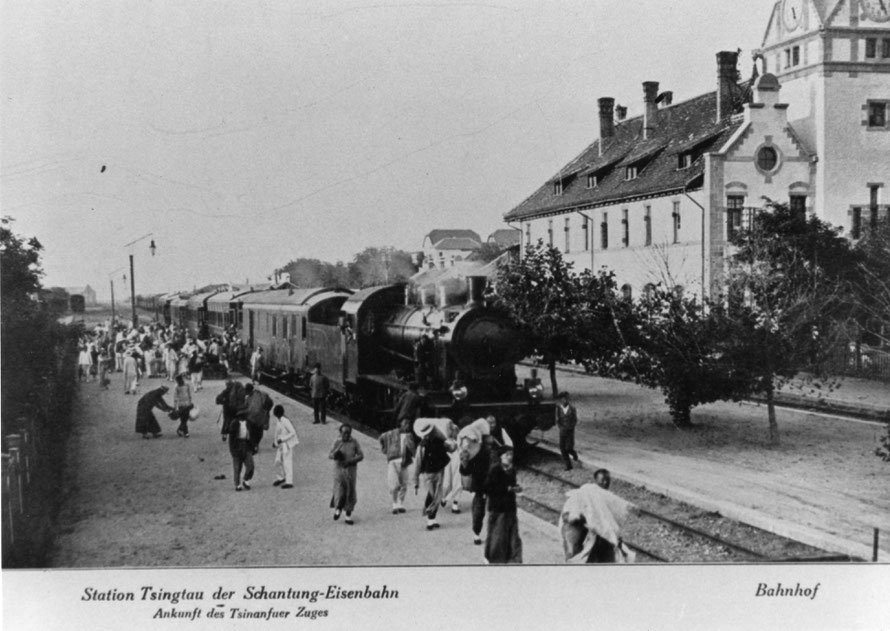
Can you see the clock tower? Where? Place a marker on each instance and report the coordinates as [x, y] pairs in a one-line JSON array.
[[832, 58]]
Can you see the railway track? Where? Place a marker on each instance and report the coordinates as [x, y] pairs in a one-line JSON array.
[[663, 529], [742, 553]]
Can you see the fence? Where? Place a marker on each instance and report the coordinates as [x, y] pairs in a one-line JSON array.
[[33, 457], [866, 362]]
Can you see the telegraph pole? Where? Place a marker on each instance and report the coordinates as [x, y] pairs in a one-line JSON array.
[[133, 294]]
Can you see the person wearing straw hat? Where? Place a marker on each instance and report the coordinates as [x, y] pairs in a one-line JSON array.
[[431, 459]]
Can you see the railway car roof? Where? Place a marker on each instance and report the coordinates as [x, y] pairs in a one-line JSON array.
[[286, 296], [197, 300]]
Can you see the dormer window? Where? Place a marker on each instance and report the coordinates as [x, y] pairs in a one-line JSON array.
[[684, 160], [592, 181], [557, 187], [631, 172]]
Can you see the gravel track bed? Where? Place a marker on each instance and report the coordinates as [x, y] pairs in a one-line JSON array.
[[658, 537]]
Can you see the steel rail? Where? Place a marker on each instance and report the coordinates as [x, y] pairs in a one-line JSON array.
[[630, 545], [652, 515]]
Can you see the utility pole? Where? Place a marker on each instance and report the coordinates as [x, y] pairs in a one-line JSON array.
[[112, 302], [133, 294]]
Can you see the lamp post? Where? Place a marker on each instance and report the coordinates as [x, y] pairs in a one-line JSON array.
[[151, 247]]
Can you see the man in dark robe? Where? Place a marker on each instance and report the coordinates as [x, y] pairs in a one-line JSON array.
[[146, 423]]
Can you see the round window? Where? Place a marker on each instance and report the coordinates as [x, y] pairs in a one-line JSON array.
[[767, 158]]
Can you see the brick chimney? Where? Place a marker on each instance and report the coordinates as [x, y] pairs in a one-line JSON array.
[[665, 99], [607, 120], [726, 82], [607, 117], [650, 117], [620, 113]]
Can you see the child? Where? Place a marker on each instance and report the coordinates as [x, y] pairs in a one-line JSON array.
[[285, 441]]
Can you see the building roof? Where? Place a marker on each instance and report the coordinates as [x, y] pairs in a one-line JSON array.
[[457, 243], [505, 237], [437, 235], [689, 126]]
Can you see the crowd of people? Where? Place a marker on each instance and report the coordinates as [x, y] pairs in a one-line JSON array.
[[435, 455], [156, 351]]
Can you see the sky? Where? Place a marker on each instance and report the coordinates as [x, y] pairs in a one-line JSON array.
[[240, 135]]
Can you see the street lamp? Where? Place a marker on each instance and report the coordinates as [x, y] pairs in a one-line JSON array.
[[152, 247]]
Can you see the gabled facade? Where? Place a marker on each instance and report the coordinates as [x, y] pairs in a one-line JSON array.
[[443, 248], [656, 197], [832, 58]]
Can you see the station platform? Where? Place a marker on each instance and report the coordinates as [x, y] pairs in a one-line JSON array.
[[162, 502]]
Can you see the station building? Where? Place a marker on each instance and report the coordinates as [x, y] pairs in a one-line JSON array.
[[656, 197]]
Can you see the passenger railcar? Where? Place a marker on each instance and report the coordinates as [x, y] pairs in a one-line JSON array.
[[224, 310], [196, 313], [296, 328]]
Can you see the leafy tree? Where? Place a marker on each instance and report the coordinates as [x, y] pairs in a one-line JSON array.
[[677, 343], [542, 297], [381, 266], [790, 294], [28, 331], [873, 283]]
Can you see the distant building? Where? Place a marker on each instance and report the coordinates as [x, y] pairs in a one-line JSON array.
[[443, 248], [657, 197], [504, 238], [88, 293]]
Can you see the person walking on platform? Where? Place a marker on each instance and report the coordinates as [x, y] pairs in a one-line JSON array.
[[346, 454], [171, 360], [256, 409], [430, 461], [475, 463], [146, 423], [285, 441], [319, 386], [236, 431], [256, 364], [503, 545], [566, 420], [131, 370], [591, 521], [182, 402], [397, 471]]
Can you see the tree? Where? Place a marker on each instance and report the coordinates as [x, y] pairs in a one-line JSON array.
[[542, 297], [790, 294], [873, 283], [677, 344], [380, 266]]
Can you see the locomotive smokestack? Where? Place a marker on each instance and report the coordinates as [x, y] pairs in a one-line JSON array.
[[476, 290], [442, 296]]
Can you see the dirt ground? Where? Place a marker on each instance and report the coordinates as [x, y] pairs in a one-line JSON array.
[[823, 475]]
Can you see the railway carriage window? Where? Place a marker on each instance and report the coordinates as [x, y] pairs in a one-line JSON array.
[[293, 326], [303, 324], [284, 327]]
